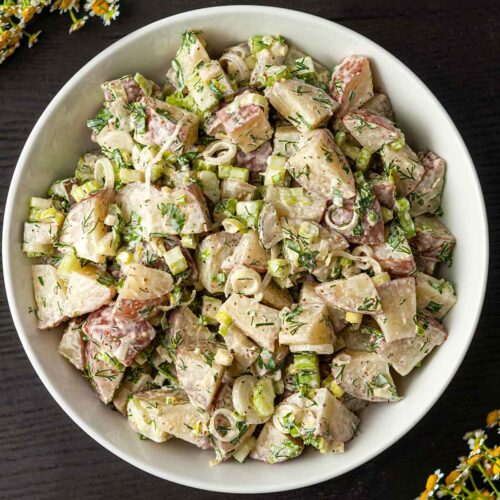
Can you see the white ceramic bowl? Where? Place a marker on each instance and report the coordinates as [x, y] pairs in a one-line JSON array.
[[60, 136]]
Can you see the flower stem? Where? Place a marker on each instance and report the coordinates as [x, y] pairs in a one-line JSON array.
[[483, 472]]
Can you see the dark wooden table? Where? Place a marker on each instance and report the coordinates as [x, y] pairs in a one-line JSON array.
[[453, 46]]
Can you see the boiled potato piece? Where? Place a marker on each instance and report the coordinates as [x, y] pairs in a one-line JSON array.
[[286, 140], [399, 308], [72, 345], [351, 83], [234, 188], [380, 104], [143, 412], [245, 352], [319, 166], [364, 375], [259, 322], [405, 354], [104, 372], [84, 226], [269, 226], [210, 254], [305, 106], [185, 325], [50, 296], [43, 233], [296, 203], [136, 379], [307, 324], [191, 53], [88, 290], [198, 373], [273, 446], [249, 253], [308, 295], [435, 297], [246, 123], [143, 287], [355, 294], [276, 297]]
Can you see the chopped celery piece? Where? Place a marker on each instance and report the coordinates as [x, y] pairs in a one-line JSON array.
[[244, 449], [33, 249], [336, 390], [224, 171], [380, 279], [278, 268], [46, 215], [387, 214], [276, 173], [226, 207], [397, 145], [309, 231], [403, 211], [175, 260], [263, 397], [350, 151], [145, 84], [340, 138], [249, 211], [128, 175], [223, 318], [69, 264], [40, 203], [239, 173], [200, 164], [306, 366], [353, 317], [189, 241], [85, 190], [124, 258], [363, 159], [234, 225]]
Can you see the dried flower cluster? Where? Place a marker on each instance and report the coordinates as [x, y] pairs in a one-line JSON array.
[[477, 476], [16, 14]]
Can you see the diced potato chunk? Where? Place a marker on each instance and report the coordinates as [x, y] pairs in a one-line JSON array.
[[399, 309], [210, 254], [234, 188], [296, 203], [164, 120], [308, 295], [364, 375], [307, 107], [334, 421], [198, 373], [43, 233], [143, 287], [426, 198], [405, 354], [259, 322], [351, 83], [273, 446], [276, 297], [104, 373], [50, 296], [190, 54], [319, 166], [405, 167], [286, 140], [380, 104], [176, 211], [307, 324], [434, 240], [355, 294], [246, 124], [143, 412], [120, 336], [249, 253], [185, 325], [435, 297], [88, 290], [244, 350], [84, 226], [269, 226], [72, 345], [371, 130], [135, 380]]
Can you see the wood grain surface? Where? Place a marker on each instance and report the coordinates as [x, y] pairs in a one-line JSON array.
[[453, 46]]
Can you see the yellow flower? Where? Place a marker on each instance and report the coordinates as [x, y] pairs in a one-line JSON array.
[[496, 451], [424, 495], [431, 482], [28, 13], [100, 7], [474, 459], [452, 477], [492, 418]]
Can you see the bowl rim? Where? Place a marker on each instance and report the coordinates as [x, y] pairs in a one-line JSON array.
[[8, 275]]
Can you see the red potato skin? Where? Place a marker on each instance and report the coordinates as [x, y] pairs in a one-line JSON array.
[[396, 264], [385, 191], [234, 121], [109, 328], [255, 161]]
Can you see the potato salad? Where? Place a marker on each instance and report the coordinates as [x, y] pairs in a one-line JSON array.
[[248, 258]]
